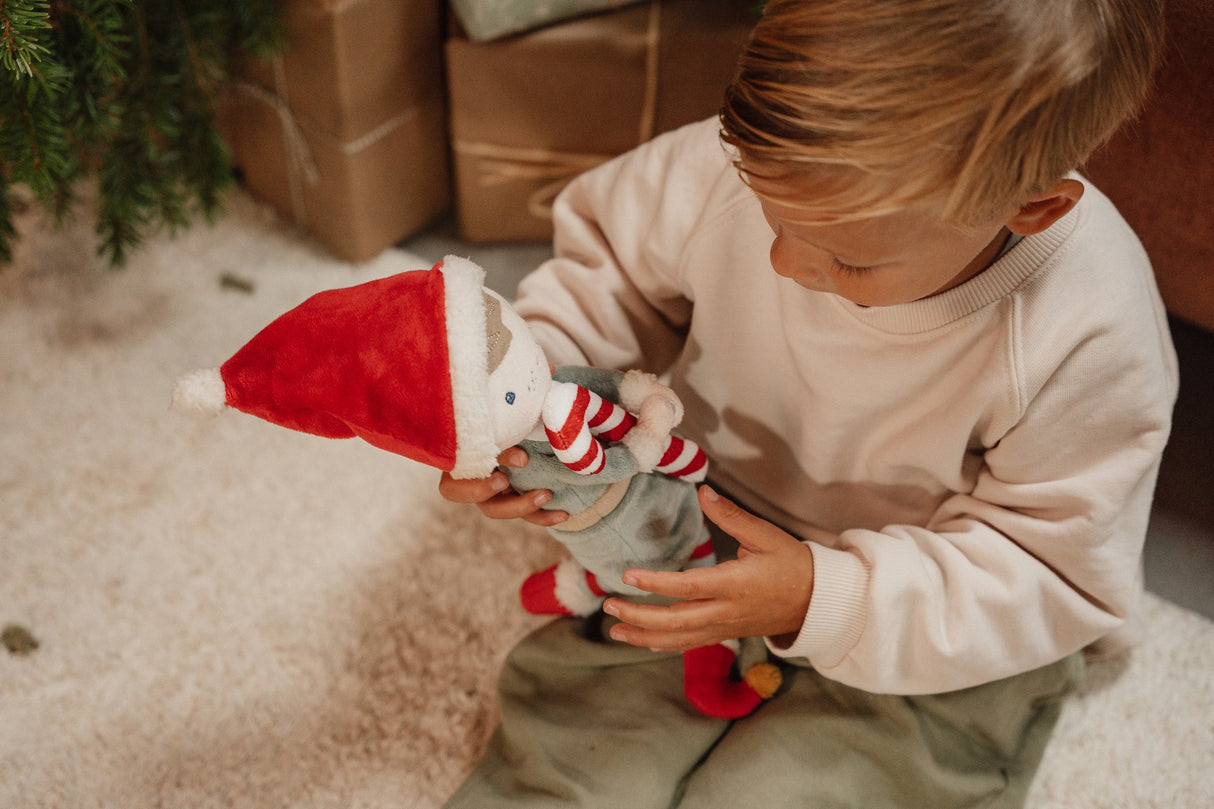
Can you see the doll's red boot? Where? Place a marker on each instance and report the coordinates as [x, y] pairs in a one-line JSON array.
[[566, 588], [709, 683]]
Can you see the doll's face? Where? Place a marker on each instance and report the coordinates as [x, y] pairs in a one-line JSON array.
[[519, 375]]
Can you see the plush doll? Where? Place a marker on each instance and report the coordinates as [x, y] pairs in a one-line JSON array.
[[431, 365]]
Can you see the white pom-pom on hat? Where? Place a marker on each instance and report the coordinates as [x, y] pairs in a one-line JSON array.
[[200, 393]]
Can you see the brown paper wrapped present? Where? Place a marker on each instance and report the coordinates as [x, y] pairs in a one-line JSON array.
[[530, 112], [489, 19], [345, 133]]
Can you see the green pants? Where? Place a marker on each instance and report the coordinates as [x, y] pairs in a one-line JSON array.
[[589, 723]]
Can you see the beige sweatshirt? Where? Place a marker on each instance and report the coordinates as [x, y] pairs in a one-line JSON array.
[[972, 471]]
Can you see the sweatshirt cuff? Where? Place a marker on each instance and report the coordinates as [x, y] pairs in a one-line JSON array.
[[837, 609]]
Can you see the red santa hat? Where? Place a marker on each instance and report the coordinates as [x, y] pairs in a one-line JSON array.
[[400, 362]]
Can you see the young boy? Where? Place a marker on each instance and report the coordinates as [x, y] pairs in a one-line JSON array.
[[934, 428]]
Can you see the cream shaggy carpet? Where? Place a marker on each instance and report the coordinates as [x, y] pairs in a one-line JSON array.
[[229, 614]]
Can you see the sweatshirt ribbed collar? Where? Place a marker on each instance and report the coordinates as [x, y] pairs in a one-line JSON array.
[[989, 286]]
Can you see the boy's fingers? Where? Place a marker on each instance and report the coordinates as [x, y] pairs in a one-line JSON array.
[[496, 500], [510, 506], [514, 457], [662, 641], [547, 519], [753, 533], [472, 491], [478, 490], [685, 584], [494, 497], [680, 616], [682, 625], [724, 512]]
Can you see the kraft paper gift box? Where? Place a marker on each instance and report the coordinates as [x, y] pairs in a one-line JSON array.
[[345, 133], [530, 112], [489, 19]]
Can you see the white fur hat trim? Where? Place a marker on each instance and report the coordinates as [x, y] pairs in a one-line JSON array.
[[476, 452]]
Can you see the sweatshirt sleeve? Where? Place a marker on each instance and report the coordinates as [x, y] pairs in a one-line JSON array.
[[612, 296], [1043, 557]]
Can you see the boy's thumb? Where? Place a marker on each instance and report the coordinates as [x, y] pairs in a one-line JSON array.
[[753, 533], [729, 516]]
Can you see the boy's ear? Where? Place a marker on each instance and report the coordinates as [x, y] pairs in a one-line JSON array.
[[1046, 208]]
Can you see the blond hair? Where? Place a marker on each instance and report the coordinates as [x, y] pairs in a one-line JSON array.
[[969, 106]]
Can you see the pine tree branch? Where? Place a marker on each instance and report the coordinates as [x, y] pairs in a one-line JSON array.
[[127, 89], [20, 22]]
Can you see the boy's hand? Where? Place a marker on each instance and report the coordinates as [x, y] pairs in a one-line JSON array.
[[764, 592], [494, 497]]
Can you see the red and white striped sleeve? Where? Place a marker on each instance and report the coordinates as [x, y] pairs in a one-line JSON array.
[[683, 459], [569, 410], [576, 419]]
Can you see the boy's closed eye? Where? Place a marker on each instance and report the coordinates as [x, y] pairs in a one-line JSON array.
[[844, 268]]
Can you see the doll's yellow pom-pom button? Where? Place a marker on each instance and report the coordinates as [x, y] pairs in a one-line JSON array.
[[764, 678]]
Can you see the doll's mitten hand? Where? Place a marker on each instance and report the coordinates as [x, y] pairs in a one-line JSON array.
[[659, 414], [638, 387], [657, 409], [646, 447], [649, 440]]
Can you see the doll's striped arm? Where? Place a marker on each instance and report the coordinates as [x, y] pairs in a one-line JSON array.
[[569, 412], [683, 459], [575, 418]]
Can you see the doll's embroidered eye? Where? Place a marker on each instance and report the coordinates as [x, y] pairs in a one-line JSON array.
[[510, 397]]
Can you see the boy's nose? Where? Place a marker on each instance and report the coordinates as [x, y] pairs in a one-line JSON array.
[[781, 257], [790, 262]]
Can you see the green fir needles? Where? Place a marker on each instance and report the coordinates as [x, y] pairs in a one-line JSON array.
[[123, 90]]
